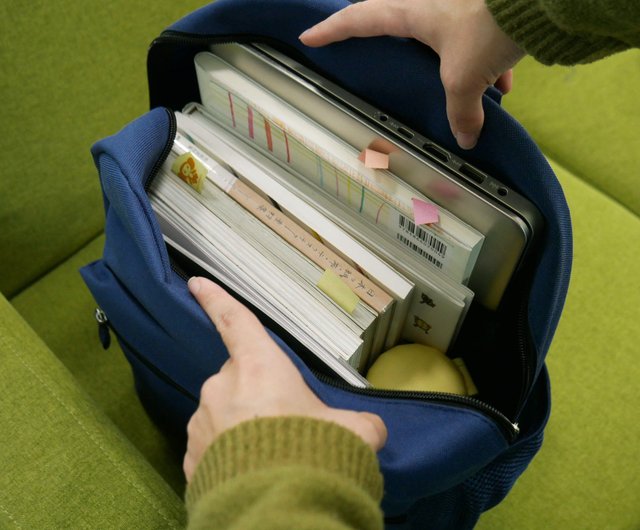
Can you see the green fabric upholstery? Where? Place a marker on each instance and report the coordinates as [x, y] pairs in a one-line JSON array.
[[73, 72], [587, 118], [77, 448], [587, 474], [64, 464], [60, 310]]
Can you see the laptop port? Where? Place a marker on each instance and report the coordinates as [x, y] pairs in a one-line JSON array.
[[472, 173], [406, 133], [436, 152]]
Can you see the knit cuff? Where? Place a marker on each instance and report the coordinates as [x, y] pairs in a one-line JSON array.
[[529, 26], [280, 441]]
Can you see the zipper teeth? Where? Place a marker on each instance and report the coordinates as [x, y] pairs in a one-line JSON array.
[[525, 354], [173, 128], [152, 368], [178, 270], [510, 428], [171, 35]]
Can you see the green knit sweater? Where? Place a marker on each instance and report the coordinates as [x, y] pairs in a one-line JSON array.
[[286, 472], [569, 31]]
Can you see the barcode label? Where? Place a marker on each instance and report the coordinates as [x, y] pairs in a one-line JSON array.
[[432, 241], [420, 251]]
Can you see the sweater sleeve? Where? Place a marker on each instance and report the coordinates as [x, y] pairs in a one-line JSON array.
[[569, 31], [286, 472]]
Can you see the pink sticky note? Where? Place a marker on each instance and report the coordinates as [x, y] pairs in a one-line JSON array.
[[424, 213], [374, 160]]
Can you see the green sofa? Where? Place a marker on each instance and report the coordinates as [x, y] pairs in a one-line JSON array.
[[76, 448]]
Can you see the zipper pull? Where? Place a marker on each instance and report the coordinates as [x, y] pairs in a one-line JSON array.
[[103, 328]]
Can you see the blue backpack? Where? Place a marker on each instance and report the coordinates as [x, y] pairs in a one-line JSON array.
[[447, 458]]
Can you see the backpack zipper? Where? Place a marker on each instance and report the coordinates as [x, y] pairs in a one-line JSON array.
[[171, 36], [105, 328], [524, 349], [509, 428], [173, 129]]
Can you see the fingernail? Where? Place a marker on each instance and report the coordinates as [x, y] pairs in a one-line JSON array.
[[194, 285], [466, 140], [304, 33]]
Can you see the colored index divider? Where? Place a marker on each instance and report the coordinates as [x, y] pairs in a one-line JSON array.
[[424, 212], [331, 285]]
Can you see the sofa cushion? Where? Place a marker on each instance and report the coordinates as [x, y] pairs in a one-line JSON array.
[[60, 310], [64, 463], [72, 73], [587, 118], [586, 474]]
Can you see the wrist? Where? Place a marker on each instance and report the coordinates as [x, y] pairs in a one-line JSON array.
[[528, 24], [265, 443]]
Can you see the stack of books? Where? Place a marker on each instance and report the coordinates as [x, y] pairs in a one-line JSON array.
[[286, 214]]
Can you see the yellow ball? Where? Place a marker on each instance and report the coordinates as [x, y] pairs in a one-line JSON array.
[[418, 368]]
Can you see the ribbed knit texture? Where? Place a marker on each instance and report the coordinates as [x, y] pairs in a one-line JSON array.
[[296, 471], [544, 29]]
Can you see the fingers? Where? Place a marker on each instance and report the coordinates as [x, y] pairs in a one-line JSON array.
[[379, 430], [464, 106], [363, 19], [366, 425], [241, 331], [188, 467], [505, 82], [196, 444]]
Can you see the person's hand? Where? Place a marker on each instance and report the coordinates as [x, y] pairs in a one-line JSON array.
[[474, 52], [258, 380]]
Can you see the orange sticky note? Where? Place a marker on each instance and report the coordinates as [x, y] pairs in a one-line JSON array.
[[383, 146], [425, 213], [374, 159]]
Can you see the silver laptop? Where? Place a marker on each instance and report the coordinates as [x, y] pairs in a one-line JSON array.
[[508, 221]]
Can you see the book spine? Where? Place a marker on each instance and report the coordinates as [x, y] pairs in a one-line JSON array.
[[432, 318]]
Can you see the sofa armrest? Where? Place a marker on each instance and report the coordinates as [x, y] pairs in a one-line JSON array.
[[64, 464]]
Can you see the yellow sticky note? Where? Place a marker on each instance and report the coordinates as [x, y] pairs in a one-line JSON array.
[[331, 284], [188, 168]]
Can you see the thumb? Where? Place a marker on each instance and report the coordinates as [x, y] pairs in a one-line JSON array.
[[362, 19], [505, 82], [379, 430], [366, 425], [240, 329]]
